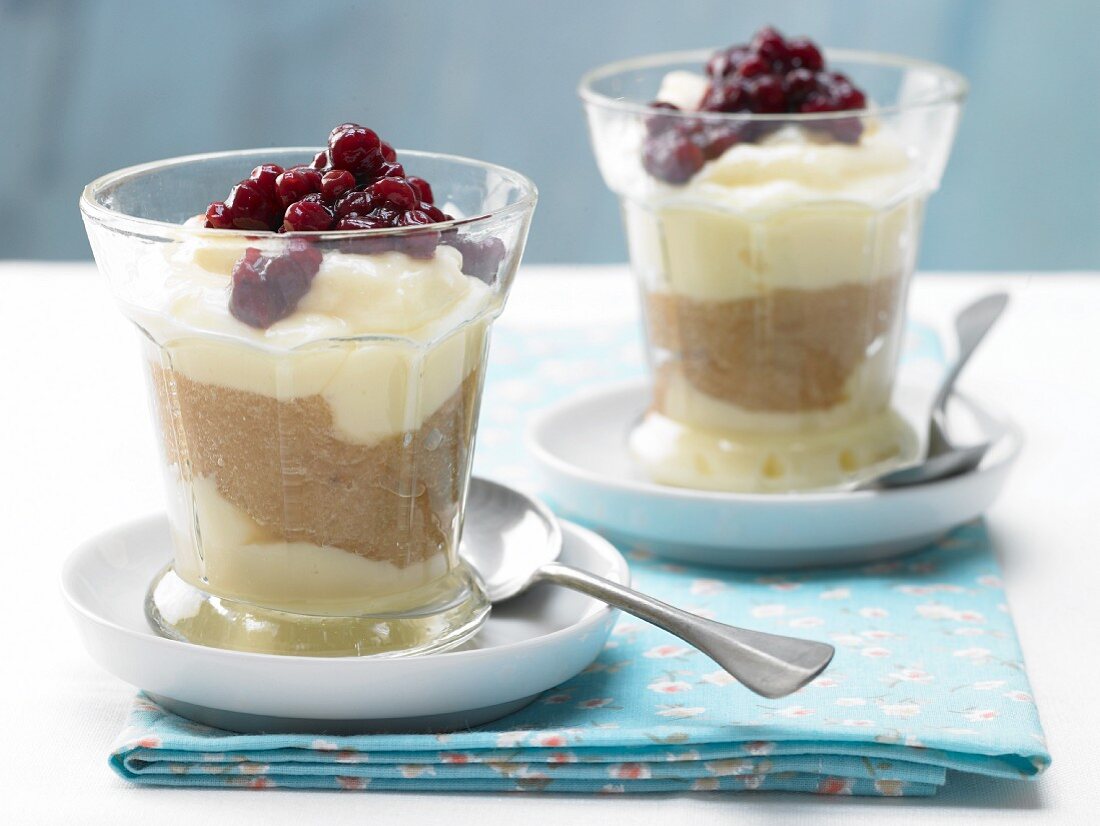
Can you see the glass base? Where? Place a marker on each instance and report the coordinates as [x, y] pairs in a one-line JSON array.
[[180, 611], [672, 453]]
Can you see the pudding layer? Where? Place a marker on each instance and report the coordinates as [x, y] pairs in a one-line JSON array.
[[283, 465], [787, 351], [384, 340], [692, 457]]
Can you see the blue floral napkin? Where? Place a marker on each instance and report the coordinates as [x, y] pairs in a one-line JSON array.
[[928, 674]]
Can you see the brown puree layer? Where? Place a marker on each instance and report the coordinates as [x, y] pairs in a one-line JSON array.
[[395, 500], [789, 350]]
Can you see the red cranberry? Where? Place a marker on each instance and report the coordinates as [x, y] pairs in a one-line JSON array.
[[770, 45], [387, 212], [389, 155], [753, 65], [655, 124], [307, 216], [219, 216], [369, 245], [731, 96], [335, 183], [268, 288], [355, 149], [725, 62], [337, 131], [356, 203], [846, 130], [768, 96], [305, 253], [480, 258], [295, 184], [415, 218], [360, 222], [848, 97], [419, 244], [434, 212], [265, 176], [250, 207], [321, 160], [818, 102], [722, 136], [389, 170], [396, 191], [799, 84], [422, 187], [672, 158], [804, 53]]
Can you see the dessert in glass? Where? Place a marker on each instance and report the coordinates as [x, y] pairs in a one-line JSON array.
[[315, 347], [772, 210]]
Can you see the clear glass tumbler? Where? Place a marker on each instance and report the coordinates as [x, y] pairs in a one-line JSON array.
[[774, 273], [316, 470]]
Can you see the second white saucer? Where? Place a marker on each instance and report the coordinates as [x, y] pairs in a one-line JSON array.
[[579, 447], [528, 645]]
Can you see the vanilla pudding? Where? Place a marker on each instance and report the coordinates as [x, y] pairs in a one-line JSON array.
[[773, 255]]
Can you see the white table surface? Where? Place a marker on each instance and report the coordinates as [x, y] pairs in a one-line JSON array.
[[77, 456]]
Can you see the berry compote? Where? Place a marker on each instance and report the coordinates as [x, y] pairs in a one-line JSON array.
[[771, 75], [355, 184]]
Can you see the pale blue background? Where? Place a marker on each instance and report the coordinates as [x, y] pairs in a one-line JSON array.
[[86, 87]]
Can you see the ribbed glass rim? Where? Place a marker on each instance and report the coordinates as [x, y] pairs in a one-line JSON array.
[[955, 86], [121, 221]]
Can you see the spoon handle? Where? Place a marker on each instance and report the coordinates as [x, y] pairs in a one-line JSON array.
[[770, 665], [971, 325]]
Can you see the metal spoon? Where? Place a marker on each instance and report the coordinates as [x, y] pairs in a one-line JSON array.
[[944, 459], [514, 542]]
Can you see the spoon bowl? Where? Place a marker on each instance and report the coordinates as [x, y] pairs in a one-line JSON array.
[[511, 538], [515, 542], [943, 458]]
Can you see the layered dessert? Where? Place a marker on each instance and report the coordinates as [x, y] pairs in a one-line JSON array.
[[773, 221], [316, 345]]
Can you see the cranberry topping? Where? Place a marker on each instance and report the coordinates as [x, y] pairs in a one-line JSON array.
[[268, 288], [422, 187], [673, 157], [480, 258], [335, 183], [219, 216], [265, 176], [770, 75], [356, 149], [355, 184], [307, 216], [297, 183], [395, 191]]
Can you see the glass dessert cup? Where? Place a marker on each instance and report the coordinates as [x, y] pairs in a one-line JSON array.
[[774, 278], [316, 469]]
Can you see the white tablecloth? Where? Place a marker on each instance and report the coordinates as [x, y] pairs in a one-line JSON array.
[[77, 456]]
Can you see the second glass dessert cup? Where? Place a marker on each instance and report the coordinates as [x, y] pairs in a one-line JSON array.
[[774, 269], [316, 469]]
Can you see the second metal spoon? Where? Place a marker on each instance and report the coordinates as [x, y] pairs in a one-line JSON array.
[[514, 541], [942, 458]]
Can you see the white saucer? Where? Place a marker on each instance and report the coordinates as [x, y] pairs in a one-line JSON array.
[[579, 447], [525, 647]]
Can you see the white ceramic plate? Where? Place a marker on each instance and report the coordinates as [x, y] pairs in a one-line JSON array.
[[585, 472], [525, 647]]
